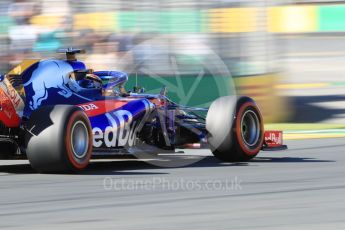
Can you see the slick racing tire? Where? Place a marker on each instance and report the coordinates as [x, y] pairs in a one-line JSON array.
[[235, 129], [58, 139]]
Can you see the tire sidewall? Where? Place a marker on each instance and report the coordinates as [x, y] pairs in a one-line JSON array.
[[74, 162], [243, 106]]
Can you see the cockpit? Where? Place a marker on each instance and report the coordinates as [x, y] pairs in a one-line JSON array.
[[97, 83]]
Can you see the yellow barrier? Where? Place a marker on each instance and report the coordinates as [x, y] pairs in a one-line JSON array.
[[232, 20], [292, 19], [104, 21], [48, 21], [262, 89]]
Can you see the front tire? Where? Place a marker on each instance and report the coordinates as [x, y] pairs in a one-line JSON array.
[[235, 128], [59, 139]]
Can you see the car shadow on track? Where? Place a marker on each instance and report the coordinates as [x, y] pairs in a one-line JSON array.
[[17, 169], [128, 165], [289, 160], [116, 167]]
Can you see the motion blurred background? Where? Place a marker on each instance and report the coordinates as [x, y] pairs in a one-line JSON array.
[[288, 55]]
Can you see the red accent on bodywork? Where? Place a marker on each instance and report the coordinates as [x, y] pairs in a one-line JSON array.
[[158, 102], [8, 114], [96, 108], [273, 138]]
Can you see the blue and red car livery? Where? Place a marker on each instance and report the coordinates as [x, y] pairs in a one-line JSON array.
[[59, 114]]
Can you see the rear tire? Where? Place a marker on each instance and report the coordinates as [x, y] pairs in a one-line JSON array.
[[59, 139], [242, 137]]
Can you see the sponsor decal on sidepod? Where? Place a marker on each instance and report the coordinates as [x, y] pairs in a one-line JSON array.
[[122, 131]]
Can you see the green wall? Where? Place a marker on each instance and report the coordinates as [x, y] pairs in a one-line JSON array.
[[188, 91], [331, 18]]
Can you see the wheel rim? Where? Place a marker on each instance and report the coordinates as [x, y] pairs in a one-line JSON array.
[[79, 140], [250, 128]]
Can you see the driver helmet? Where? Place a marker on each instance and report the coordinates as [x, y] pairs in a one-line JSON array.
[[80, 80]]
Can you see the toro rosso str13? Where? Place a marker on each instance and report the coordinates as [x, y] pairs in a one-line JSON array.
[[58, 114]]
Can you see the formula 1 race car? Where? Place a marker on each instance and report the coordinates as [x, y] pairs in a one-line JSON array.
[[58, 114]]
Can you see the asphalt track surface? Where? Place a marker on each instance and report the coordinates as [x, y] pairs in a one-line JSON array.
[[302, 188]]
